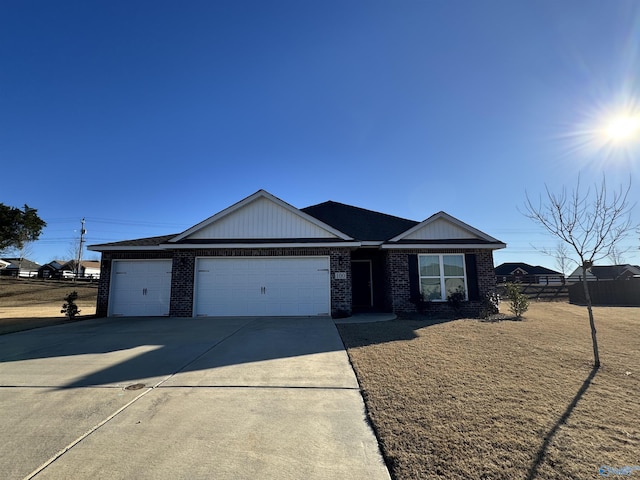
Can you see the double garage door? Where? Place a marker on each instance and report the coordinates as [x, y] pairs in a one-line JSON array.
[[256, 286], [272, 286]]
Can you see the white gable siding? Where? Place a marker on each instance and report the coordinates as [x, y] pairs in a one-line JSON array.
[[438, 230], [261, 219]]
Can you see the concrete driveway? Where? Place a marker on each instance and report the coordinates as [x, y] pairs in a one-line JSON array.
[[192, 398]]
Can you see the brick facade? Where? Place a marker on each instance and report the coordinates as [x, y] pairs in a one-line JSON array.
[[396, 282], [183, 274]]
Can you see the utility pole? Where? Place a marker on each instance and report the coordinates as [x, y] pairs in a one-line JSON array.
[[82, 233]]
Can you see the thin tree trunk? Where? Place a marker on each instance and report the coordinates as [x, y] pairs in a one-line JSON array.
[[594, 339]]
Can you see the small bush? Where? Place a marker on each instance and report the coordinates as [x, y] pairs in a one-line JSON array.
[[490, 305], [518, 302], [421, 302], [70, 309], [455, 299]]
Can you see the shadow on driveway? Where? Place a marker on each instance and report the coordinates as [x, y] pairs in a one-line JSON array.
[[109, 351]]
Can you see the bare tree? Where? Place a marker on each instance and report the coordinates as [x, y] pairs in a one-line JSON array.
[[561, 256], [616, 256], [591, 223]]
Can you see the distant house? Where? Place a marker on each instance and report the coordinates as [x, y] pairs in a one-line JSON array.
[[606, 272], [518, 272], [17, 267], [88, 268], [52, 269]]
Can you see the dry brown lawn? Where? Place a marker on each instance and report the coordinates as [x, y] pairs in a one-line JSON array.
[[467, 399], [31, 303]]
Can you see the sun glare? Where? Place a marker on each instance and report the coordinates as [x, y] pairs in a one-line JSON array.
[[623, 128], [606, 135]]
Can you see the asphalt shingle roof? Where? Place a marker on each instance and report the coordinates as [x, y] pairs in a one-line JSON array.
[[141, 242], [507, 268], [611, 272], [359, 223], [26, 264]]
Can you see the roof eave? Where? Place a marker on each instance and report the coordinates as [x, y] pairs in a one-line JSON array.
[[200, 246], [437, 246], [122, 248]]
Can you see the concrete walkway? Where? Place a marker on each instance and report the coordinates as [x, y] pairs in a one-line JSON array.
[[169, 398], [366, 318]]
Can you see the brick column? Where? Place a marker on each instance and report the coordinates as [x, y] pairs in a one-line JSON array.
[[102, 302], [182, 279], [340, 264]]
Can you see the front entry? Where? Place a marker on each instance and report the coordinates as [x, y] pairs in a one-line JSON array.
[[362, 286]]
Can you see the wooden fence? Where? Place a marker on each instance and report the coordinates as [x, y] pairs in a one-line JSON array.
[[535, 291], [608, 292]]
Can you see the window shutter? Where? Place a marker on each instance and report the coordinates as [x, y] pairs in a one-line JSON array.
[[472, 276], [414, 278]]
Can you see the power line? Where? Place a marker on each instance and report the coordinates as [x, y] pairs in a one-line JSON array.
[[136, 222]]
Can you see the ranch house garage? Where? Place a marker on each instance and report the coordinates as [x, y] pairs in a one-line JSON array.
[[264, 257]]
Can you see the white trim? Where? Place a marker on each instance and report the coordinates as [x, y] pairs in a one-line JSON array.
[[443, 277], [187, 246], [384, 246], [445, 216], [250, 199], [436, 246]]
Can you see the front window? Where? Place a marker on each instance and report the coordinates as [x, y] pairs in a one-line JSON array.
[[441, 275]]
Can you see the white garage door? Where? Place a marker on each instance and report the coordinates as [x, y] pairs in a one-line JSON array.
[[140, 288], [272, 286]]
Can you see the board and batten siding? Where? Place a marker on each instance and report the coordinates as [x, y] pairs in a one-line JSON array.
[[262, 219], [438, 230]]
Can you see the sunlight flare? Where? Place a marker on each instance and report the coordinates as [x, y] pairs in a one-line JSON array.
[[623, 128]]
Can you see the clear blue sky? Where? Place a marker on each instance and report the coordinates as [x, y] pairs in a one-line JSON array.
[[145, 117]]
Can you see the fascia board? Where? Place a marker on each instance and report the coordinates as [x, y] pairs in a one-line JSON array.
[[212, 246], [436, 246]]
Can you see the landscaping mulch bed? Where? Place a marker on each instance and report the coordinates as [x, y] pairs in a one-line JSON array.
[[507, 399]]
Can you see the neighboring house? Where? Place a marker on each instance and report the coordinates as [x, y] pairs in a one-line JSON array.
[[264, 257], [4, 264], [51, 269], [88, 268], [16, 267], [518, 272], [606, 272]]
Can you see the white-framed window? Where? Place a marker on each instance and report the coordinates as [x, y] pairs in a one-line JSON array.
[[441, 275]]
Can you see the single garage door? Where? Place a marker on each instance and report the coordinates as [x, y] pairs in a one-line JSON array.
[[140, 288], [271, 286]]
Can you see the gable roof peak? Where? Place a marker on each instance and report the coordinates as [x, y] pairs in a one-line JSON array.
[[255, 224], [442, 223]]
